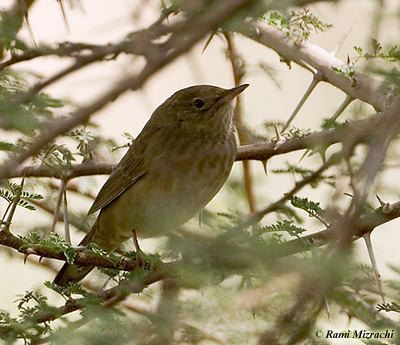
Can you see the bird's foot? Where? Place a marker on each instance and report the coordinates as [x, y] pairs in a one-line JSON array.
[[140, 262]]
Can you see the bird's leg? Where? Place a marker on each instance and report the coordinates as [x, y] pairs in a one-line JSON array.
[[139, 253]]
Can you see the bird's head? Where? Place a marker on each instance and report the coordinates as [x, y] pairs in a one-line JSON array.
[[198, 108]]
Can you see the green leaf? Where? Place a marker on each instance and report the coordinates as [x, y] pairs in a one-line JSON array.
[[285, 225], [31, 238], [311, 207], [298, 25], [84, 138], [28, 195], [70, 289], [347, 72], [376, 47], [55, 242], [4, 146], [6, 195], [14, 191], [359, 50], [392, 306], [394, 54]]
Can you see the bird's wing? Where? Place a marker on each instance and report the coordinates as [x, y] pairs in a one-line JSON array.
[[128, 171]]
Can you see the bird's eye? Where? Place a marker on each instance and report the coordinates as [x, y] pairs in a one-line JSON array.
[[198, 103]]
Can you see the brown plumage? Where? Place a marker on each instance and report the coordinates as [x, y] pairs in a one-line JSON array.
[[176, 165]]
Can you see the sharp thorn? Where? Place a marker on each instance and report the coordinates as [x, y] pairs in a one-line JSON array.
[[264, 163], [386, 207], [279, 138], [367, 239], [328, 311]]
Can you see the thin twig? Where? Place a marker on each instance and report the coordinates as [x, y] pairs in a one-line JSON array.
[[238, 74], [363, 179], [257, 216], [342, 107], [66, 220], [317, 77], [80, 259], [58, 205], [260, 151], [11, 211]]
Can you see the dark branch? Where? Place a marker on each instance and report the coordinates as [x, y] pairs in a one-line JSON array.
[[81, 259], [187, 34], [260, 151], [119, 293], [367, 223]]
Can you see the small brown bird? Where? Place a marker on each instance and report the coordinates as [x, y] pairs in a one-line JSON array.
[[176, 165]]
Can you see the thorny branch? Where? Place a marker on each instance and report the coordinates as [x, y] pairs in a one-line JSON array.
[[305, 53], [260, 151], [119, 292], [81, 259], [84, 52], [183, 35], [365, 224], [385, 130], [361, 87]]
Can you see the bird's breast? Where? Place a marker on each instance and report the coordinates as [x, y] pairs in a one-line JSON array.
[[178, 183]]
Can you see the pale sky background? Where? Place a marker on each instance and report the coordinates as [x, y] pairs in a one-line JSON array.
[[103, 21]]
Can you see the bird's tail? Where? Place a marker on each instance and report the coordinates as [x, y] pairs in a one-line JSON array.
[[74, 273], [71, 273]]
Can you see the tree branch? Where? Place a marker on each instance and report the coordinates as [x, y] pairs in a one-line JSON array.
[[77, 50], [365, 224], [119, 292], [186, 35], [303, 53], [260, 151], [81, 259]]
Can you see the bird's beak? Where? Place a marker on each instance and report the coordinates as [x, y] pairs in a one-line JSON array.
[[230, 94]]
